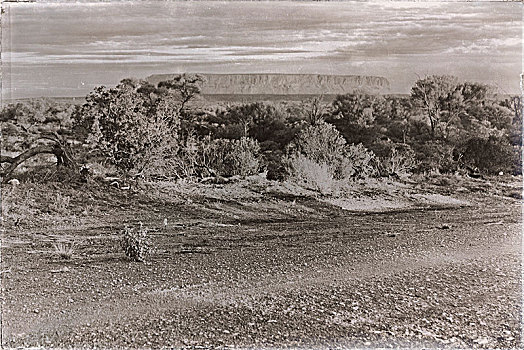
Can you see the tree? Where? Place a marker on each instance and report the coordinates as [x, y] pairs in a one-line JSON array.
[[34, 127], [432, 94], [131, 125], [514, 104], [459, 109], [356, 109], [184, 88]]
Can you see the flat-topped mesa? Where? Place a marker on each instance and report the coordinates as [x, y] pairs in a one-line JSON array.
[[285, 84]]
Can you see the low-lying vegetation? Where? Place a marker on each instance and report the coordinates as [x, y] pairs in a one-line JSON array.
[[64, 250]]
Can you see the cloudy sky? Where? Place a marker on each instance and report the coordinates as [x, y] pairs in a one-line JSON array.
[[59, 49]]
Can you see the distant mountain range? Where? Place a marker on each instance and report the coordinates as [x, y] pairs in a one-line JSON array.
[[285, 84], [268, 86]]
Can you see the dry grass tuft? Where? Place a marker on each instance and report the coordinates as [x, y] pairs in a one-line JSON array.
[[64, 250]]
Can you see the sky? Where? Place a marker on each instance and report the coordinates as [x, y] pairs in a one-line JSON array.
[[67, 49]]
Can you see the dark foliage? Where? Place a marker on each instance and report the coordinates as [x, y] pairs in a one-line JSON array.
[[489, 156]]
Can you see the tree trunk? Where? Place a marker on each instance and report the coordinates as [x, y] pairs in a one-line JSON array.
[[62, 154]]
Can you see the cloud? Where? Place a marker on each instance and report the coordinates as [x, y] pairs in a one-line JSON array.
[[339, 37]]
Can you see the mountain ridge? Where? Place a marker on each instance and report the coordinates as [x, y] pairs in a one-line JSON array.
[[284, 84]]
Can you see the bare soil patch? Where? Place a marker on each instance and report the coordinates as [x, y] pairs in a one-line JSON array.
[[255, 266]]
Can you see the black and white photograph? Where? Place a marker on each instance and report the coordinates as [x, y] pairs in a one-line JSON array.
[[261, 174]]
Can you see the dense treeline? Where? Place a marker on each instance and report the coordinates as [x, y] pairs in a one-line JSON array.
[[166, 130]]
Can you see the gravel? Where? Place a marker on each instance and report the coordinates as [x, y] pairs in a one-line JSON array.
[[446, 278]]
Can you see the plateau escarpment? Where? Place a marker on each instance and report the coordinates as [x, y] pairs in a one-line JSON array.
[[285, 84]]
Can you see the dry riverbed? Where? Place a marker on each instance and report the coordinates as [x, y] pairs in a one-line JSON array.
[[272, 270]]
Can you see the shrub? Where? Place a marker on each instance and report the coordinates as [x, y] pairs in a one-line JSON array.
[[261, 121], [357, 163], [356, 108], [204, 157], [322, 144], [136, 243], [243, 157], [275, 165], [488, 155], [232, 157], [435, 156], [189, 160], [312, 175], [400, 162]]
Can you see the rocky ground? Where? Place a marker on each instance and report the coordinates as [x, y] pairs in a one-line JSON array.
[[271, 272]]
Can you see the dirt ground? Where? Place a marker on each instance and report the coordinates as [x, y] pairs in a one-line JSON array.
[[269, 270]]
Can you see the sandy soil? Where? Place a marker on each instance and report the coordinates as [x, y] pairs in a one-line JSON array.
[[272, 272]]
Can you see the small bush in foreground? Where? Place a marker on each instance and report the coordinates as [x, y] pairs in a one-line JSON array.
[[64, 250], [136, 243]]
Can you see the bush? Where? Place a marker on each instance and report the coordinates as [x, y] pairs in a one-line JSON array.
[[128, 127], [400, 162], [358, 163], [189, 161], [320, 159], [234, 157], [261, 121], [357, 109], [204, 157], [435, 156], [244, 157], [136, 243], [321, 143], [489, 156], [311, 174], [275, 165], [64, 250]]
